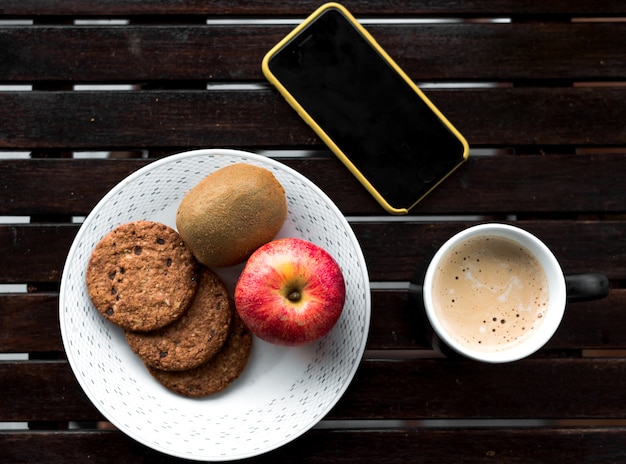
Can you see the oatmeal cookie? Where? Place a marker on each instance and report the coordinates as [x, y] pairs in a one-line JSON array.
[[195, 337], [216, 374], [141, 276]]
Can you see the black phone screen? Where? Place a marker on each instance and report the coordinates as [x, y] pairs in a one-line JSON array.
[[369, 111]]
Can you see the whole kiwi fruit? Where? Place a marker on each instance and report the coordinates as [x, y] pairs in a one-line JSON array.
[[230, 213]]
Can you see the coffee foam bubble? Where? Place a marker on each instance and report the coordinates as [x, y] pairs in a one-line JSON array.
[[490, 293]]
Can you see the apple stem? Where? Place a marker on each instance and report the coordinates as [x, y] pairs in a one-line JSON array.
[[294, 296]]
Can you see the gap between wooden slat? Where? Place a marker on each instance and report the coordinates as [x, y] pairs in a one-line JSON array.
[[390, 424], [465, 423]]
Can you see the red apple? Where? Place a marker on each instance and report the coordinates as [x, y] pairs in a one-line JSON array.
[[290, 292]]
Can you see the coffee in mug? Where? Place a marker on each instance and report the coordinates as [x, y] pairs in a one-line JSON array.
[[496, 293], [490, 292]]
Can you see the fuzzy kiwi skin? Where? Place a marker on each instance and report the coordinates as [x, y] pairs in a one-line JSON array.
[[230, 213]]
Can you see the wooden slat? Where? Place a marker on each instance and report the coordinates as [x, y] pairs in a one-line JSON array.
[[601, 445], [460, 389], [113, 8], [579, 246], [86, 120], [591, 246], [30, 323], [33, 253], [413, 389], [46, 247], [476, 188], [42, 390], [224, 53], [29, 183]]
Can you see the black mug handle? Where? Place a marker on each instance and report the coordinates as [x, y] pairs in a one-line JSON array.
[[586, 287]]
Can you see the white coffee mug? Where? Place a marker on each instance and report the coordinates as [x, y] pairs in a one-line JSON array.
[[497, 310]]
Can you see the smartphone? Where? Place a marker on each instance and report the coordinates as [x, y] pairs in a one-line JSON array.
[[365, 108]]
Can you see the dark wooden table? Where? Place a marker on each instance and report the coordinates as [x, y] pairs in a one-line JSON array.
[[539, 90]]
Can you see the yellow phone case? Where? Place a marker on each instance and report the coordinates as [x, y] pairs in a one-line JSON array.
[[324, 136]]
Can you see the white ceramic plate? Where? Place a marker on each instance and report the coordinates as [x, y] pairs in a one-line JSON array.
[[282, 393]]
